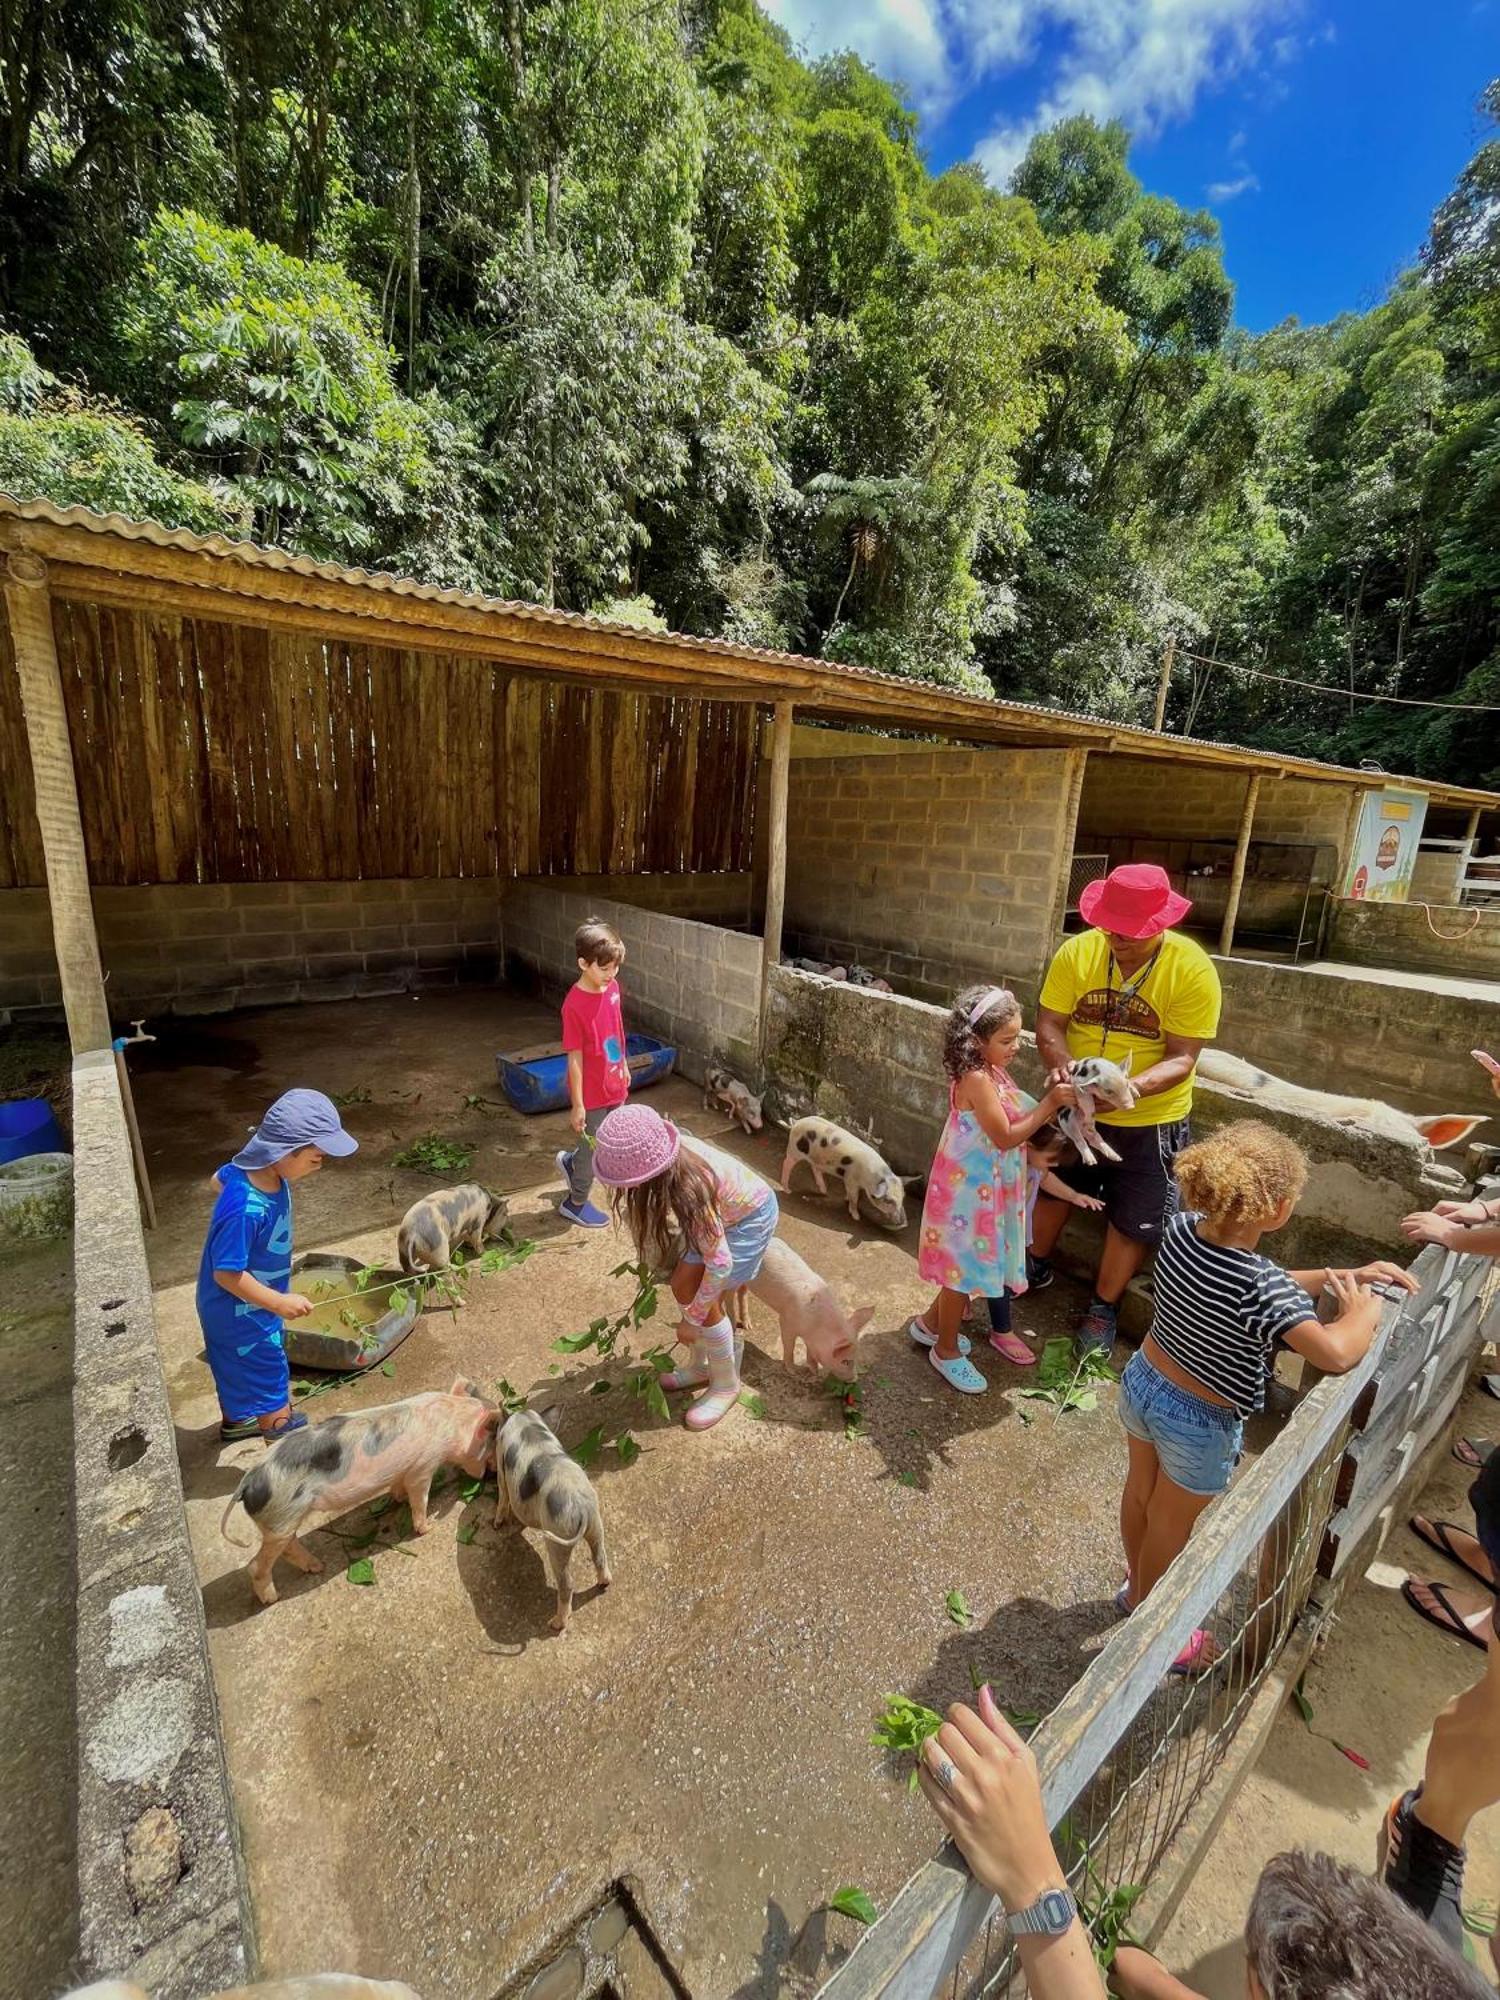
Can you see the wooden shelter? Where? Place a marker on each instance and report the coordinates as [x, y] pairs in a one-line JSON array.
[[184, 709]]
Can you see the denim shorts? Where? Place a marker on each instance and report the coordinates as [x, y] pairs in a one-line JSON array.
[[748, 1242], [1197, 1442]]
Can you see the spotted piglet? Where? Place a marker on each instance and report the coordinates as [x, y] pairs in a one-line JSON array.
[[542, 1488], [829, 1149], [346, 1460]]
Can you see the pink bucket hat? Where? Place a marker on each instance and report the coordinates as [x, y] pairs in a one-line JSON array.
[[634, 1144], [1135, 901]]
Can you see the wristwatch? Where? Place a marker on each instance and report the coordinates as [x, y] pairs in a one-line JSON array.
[[1049, 1916]]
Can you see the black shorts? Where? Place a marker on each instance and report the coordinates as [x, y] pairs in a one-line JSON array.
[[1138, 1190], [1484, 1498]]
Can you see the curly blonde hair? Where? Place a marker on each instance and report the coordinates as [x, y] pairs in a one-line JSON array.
[[1242, 1174]]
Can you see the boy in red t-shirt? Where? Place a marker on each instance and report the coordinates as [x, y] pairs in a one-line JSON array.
[[598, 1074]]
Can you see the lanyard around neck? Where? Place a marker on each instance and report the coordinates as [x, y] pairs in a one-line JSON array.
[[1128, 990]]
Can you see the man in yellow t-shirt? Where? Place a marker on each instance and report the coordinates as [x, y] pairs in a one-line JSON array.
[[1129, 987]]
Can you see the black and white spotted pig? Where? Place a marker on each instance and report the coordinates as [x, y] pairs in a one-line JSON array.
[[829, 1149], [346, 1460], [452, 1219], [542, 1488]]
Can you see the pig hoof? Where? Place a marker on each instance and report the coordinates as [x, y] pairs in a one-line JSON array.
[[303, 1559], [558, 1621], [266, 1593], [420, 1527], [605, 1579]]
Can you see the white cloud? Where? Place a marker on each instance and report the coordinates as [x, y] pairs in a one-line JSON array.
[[1143, 61], [1227, 190]]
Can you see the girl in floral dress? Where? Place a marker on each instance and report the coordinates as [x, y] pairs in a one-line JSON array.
[[974, 1217]]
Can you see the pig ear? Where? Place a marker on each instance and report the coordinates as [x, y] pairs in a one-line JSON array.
[[858, 1321], [1446, 1128], [913, 1181], [1126, 1060], [462, 1386]]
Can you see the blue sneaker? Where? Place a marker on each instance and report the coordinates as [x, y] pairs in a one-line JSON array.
[[587, 1217]]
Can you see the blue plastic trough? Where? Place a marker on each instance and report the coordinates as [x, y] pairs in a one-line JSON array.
[[537, 1079]]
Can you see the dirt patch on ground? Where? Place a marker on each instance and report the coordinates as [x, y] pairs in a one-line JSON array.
[[1375, 1688], [432, 1787]]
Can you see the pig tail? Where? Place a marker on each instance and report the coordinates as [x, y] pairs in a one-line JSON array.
[[962, 1036]]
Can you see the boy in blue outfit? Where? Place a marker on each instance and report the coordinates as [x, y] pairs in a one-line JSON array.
[[247, 1263]]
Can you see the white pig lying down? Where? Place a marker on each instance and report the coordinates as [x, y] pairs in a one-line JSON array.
[[346, 1460], [1439, 1129]]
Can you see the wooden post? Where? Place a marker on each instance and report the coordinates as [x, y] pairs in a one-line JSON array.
[[75, 940], [1067, 840], [1241, 853], [1168, 656], [1471, 837], [781, 765]]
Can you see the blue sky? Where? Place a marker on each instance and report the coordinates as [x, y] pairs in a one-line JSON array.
[[1320, 132]]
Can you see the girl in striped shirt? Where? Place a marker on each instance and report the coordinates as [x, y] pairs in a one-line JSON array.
[[669, 1185], [1221, 1307]]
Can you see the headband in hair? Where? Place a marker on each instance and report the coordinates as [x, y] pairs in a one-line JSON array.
[[987, 1000]]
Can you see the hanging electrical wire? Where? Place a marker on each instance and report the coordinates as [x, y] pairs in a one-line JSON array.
[[1344, 694]]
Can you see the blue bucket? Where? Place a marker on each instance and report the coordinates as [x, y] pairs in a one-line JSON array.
[[27, 1126]]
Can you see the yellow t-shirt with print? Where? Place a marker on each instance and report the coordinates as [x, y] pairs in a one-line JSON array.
[[1179, 995]]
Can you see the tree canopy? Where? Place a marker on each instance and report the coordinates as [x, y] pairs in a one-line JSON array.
[[621, 304]]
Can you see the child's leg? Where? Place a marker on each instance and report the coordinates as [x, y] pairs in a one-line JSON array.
[[945, 1317], [723, 1377], [1170, 1514], [999, 1313], [1135, 1507], [581, 1159]]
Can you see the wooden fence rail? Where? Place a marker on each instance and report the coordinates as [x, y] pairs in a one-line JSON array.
[[210, 752]]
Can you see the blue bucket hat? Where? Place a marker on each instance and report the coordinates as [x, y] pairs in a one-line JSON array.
[[297, 1118]]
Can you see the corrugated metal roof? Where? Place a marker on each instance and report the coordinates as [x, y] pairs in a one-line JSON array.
[[947, 707]]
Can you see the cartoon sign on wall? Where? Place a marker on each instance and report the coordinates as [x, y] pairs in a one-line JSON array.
[[1385, 846]]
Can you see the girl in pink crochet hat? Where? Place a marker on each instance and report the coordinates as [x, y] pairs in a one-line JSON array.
[[668, 1185]]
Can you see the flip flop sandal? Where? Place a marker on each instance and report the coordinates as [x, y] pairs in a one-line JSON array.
[[1474, 1453], [959, 1373], [1452, 1624], [1013, 1349], [1199, 1656], [1438, 1539], [235, 1430], [1122, 1599], [924, 1337]]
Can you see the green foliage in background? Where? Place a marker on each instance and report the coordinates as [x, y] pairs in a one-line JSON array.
[[621, 305]]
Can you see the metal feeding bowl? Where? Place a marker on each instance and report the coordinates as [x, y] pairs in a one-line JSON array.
[[348, 1334]]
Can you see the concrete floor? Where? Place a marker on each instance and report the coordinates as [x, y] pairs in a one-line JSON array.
[[38, 1750], [1376, 1687], [431, 1787]]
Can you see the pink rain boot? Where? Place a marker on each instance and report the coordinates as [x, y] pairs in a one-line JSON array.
[[723, 1378]]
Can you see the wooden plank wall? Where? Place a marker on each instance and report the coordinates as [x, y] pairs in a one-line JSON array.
[[208, 752]]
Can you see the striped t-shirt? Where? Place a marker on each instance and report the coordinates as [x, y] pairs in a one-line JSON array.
[[1220, 1313]]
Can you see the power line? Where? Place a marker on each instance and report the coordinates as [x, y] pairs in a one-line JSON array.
[[1344, 694]]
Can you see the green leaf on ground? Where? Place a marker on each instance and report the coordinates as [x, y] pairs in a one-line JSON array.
[[1479, 1919], [755, 1404], [361, 1570], [1024, 1719], [907, 1479], [588, 1447], [467, 1532], [1304, 1706], [380, 1503], [387, 1367], [854, 1902], [957, 1607], [627, 1447], [470, 1488]]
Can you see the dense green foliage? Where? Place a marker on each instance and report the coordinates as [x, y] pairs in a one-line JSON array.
[[617, 304]]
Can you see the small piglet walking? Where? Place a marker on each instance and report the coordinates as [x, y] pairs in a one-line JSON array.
[[542, 1488], [347, 1460]]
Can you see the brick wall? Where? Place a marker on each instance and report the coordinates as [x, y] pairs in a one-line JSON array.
[[198, 949], [695, 985], [195, 949], [1360, 1036], [1400, 935], [1171, 801], [931, 866]]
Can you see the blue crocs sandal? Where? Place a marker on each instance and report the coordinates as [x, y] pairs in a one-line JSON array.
[[959, 1373], [924, 1337], [587, 1217], [295, 1422]]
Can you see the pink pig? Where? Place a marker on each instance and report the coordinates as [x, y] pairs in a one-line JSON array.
[[807, 1310], [345, 1461]]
